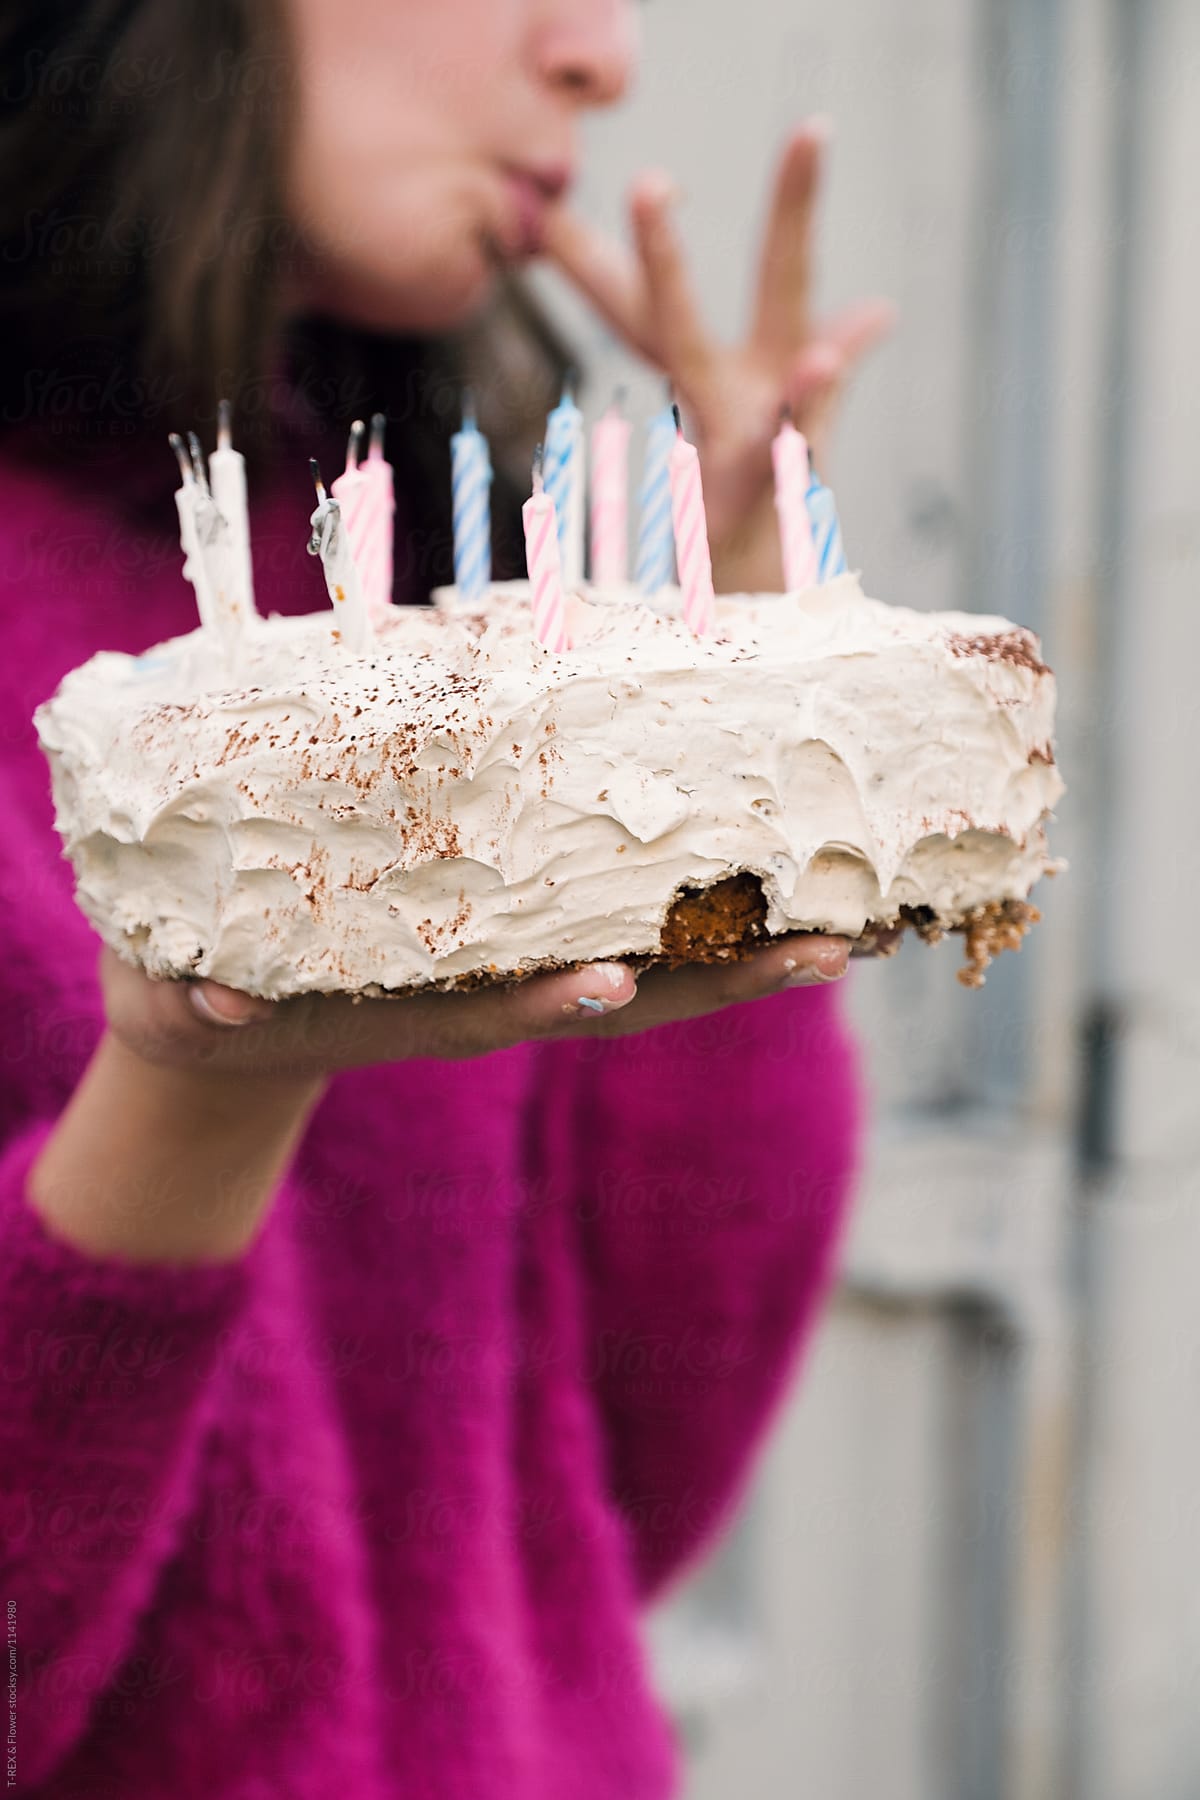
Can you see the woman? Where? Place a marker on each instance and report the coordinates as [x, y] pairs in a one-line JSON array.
[[357, 1390]]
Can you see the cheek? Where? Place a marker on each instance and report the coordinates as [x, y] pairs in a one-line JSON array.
[[389, 188], [406, 253]]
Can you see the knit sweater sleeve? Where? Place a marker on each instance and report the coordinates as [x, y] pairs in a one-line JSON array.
[[109, 1373], [711, 1166]]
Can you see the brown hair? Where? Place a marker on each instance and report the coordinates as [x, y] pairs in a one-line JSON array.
[[145, 246]]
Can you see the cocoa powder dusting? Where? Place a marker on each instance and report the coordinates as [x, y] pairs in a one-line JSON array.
[[1016, 647]]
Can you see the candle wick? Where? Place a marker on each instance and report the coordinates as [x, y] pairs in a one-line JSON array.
[[378, 427], [618, 400], [785, 413], [468, 410], [538, 460], [198, 461], [354, 446], [224, 425], [678, 419], [570, 384], [315, 472], [181, 457]]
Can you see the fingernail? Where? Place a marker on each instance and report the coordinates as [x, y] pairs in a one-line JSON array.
[[659, 188], [820, 127], [811, 976], [594, 1002], [823, 363], [829, 963], [225, 1006]]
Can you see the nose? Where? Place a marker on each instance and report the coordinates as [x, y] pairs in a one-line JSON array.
[[587, 49]]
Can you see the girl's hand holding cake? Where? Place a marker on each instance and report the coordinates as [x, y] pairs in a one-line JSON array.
[[199, 1094], [212, 1029], [733, 393]]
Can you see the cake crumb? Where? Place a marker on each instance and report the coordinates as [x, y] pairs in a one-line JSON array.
[[997, 925]]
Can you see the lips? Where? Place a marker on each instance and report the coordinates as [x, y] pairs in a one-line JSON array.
[[531, 192]]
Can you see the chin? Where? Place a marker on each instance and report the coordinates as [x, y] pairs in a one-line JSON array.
[[429, 302]]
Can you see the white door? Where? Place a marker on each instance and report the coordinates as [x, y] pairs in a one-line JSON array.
[[967, 1572]]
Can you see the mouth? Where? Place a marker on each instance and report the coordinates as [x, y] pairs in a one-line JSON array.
[[531, 191]]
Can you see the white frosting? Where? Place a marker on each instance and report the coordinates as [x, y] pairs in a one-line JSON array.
[[459, 799]]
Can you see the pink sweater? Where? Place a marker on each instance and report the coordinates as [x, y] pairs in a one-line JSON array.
[[371, 1512]]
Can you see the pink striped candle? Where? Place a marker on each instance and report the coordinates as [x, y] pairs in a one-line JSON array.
[[545, 570], [691, 534], [789, 453], [366, 494], [610, 481]]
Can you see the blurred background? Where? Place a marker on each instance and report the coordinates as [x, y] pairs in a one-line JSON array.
[[969, 1567]]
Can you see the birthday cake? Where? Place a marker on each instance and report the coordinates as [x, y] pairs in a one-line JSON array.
[[454, 803]]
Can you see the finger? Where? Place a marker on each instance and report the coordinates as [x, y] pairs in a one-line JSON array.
[[813, 391], [878, 944], [226, 1007], [819, 367], [782, 312], [549, 1005], [816, 382], [159, 1020], [453, 1026], [667, 996], [857, 329], [683, 345], [603, 271], [310, 1035]]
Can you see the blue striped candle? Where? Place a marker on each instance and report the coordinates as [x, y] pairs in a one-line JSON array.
[[656, 537], [470, 482], [827, 533], [563, 475]]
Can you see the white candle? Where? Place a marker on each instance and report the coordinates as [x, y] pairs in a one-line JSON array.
[[330, 541], [227, 475], [205, 559]]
